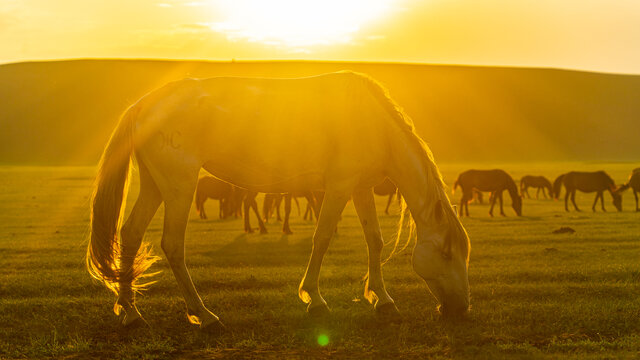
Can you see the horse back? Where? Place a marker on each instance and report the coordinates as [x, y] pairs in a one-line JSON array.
[[588, 181], [270, 134], [484, 180]]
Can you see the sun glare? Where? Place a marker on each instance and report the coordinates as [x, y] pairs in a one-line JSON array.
[[297, 24]]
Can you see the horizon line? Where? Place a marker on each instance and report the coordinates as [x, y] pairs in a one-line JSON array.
[[233, 60]]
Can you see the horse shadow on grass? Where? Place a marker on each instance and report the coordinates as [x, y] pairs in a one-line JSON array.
[[258, 250]]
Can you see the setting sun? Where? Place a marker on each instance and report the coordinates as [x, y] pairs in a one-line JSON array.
[[296, 24]]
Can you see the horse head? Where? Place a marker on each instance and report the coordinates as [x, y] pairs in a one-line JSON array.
[[441, 258], [517, 205]]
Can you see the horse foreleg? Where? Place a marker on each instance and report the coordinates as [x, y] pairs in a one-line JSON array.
[[287, 213], [538, 193], [602, 201], [501, 204], [566, 201], [573, 199], [333, 204], [595, 201], [492, 198], [374, 291], [635, 194], [131, 234]]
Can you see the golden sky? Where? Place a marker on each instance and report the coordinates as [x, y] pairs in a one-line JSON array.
[[600, 35]]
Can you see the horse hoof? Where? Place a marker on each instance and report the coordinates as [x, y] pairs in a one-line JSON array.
[[287, 232], [388, 313], [319, 311], [131, 322], [263, 231], [214, 327]]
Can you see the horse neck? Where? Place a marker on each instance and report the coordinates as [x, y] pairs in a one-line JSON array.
[[420, 189], [511, 187]]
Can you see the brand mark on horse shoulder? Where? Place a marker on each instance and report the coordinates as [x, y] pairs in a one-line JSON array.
[[171, 140]]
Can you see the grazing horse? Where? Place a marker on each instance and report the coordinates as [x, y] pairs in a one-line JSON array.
[[538, 182], [338, 132], [210, 187], [272, 201], [494, 181], [634, 183], [387, 188], [597, 181]]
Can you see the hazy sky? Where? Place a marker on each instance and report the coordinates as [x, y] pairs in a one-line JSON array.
[[601, 35]]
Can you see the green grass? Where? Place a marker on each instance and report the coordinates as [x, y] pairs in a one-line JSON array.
[[534, 294]]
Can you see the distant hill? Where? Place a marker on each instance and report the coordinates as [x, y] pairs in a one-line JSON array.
[[63, 112]]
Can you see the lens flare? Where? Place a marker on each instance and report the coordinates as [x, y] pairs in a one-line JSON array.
[[323, 340]]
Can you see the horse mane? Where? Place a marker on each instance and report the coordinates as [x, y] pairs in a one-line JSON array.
[[434, 177]]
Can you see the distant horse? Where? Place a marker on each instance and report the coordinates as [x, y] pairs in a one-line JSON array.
[[557, 186], [494, 181], [597, 181], [247, 199], [387, 188], [538, 182], [272, 201], [634, 183], [210, 187], [338, 132]]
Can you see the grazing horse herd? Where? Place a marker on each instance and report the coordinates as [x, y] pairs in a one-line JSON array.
[[472, 182], [496, 181]]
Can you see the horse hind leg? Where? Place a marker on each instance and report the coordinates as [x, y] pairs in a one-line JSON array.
[[375, 290], [132, 232], [178, 192], [493, 199]]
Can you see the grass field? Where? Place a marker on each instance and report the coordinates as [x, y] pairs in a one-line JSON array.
[[534, 294]]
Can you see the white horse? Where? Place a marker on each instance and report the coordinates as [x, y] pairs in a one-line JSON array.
[[337, 132]]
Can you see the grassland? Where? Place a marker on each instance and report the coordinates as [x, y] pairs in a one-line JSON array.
[[534, 294]]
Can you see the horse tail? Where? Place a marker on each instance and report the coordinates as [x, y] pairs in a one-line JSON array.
[[455, 186], [557, 186], [109, 194]]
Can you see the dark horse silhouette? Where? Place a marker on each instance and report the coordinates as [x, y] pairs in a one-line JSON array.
[[272, 202], [597, 181], [494, 181], [231, 197], [387, 188], [538, 182], [212, 188], [634, 183]]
